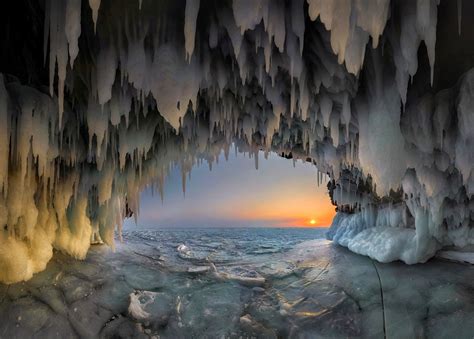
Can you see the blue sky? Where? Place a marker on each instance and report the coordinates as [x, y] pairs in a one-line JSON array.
[[235, 194]]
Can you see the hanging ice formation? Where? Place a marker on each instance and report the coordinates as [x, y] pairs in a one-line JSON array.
[[138, 86]]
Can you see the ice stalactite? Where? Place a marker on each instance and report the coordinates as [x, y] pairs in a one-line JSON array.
[[351, 23], [95, 5], [459, 7], [5, 138], [418, 23], [135, 91], [191, 13], [73, 28]]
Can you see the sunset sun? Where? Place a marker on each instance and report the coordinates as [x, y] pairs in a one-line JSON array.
[[312, 222]]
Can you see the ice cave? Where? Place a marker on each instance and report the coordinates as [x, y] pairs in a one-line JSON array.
[[100, 98]]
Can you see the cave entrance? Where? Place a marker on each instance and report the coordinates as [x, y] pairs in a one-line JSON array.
[[241, 191]]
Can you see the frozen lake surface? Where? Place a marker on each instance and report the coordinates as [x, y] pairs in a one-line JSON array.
[[238, 283]]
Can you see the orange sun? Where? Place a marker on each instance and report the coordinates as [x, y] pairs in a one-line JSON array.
[[312, 222]]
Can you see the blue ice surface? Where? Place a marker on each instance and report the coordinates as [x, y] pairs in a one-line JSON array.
[[225, 245], [238, 283]]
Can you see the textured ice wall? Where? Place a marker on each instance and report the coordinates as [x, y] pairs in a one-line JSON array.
[[138, 86]]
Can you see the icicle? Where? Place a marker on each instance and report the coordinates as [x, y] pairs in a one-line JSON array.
[[95, 5], [183, 182], [4, 138], [58, 51], [317, 175], [191, 14], [47, 23], [73, 28], [297, 21], [459, 5]]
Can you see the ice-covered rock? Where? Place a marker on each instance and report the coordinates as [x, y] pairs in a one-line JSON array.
[[139, 300]]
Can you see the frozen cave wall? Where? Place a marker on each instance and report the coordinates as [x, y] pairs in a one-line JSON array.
[[99, 99]]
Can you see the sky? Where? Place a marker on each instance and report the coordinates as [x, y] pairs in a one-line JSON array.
[[236, 194]]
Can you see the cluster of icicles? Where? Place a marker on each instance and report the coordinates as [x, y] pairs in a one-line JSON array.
[[159, 87]]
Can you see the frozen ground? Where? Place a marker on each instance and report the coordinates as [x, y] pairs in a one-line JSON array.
[[227, 286]]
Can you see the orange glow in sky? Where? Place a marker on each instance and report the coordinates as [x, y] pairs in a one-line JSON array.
[[294, 204], [235, 194]]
